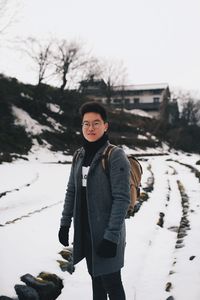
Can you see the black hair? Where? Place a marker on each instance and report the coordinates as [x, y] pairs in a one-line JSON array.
[[95, 107]]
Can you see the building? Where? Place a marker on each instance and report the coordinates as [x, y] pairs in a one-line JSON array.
[[151, 98]]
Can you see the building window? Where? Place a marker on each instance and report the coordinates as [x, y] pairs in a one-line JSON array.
[[116, 101], [136, 100], [156, 100], [127, 101]]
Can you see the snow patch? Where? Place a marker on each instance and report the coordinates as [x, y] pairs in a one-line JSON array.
[[57, 126], [22, 118], [26, 96], [142, 137], [138, 112], [54, 108]]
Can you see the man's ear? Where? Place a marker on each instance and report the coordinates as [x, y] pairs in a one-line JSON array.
[[106, 126]]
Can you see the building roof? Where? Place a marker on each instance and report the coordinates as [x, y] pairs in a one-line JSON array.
[[136, 87]]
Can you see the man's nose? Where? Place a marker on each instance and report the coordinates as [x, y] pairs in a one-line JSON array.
[[91, 126]]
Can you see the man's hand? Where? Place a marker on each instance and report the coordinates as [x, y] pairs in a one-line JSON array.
[[63, 235]]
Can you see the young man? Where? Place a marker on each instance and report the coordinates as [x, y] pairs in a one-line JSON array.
[[98, 204]]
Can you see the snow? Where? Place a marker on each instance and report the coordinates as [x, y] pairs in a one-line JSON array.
[[34, 200], [136, 87], [142, 137], [24, 119], [54, 108], [57, 126], [138, 112], [26, 96]]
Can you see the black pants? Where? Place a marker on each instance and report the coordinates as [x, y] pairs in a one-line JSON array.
[[109, 284]]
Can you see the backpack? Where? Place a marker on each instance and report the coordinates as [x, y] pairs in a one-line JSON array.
[[135, 178]]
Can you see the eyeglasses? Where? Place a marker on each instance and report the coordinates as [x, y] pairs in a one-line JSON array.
[[95, 124]]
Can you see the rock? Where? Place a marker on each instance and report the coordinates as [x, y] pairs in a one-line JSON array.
[[179, 241], [66, 254], [47, 290], [26, 292], [143, 197], [168, 286], [192, 257], [198, 162], [173, 228], [66, 266], [181, 235], [54, 278], [161, 219], [178, 246]]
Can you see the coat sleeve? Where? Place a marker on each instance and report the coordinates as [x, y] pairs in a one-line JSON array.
[[68, 208], [119, 172]]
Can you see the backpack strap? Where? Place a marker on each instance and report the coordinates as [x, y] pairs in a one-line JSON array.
[[131, 156], [135, 178], [105, 158]]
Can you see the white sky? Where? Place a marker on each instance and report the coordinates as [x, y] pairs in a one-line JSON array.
[[158, 40]]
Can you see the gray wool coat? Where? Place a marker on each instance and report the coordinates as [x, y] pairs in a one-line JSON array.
[[107, 202]]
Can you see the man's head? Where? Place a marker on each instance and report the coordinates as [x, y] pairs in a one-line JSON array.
[[94, 121]]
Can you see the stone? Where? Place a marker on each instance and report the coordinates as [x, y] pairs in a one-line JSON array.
[[178, 246], [179, 241], [173, 228], [25, 292], [181, 235], [66, 266], [168, 286], [192, 257], [161, 219], [47, 290], [66, 254], [54, 278]]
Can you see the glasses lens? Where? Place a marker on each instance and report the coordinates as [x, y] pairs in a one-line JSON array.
[[95, 124]]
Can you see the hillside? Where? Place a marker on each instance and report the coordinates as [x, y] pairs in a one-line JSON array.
[[32, 117]]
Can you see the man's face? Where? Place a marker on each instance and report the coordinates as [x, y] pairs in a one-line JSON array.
[[93, 126]]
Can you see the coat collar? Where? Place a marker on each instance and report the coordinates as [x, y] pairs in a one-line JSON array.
[[97, 157], [98, 154]]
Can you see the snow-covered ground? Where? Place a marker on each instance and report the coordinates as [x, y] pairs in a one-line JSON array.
[[31, 202]]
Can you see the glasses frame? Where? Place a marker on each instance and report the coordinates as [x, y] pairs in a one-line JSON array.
[[94, 124]]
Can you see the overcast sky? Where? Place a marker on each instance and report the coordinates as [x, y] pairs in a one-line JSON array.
[[158, 40]]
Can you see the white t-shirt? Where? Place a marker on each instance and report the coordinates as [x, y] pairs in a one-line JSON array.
[[85, 171]]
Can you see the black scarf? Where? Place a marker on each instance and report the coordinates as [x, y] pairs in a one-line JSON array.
[[91, 148]]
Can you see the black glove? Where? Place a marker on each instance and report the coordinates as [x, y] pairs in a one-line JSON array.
[[107, 249], [63, 235]]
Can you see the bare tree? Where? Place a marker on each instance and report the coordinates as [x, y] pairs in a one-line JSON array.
[[69, 60], [93, 70], [8, 12], [189, 106], [41, 55], [191, 112], [114, 74]]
